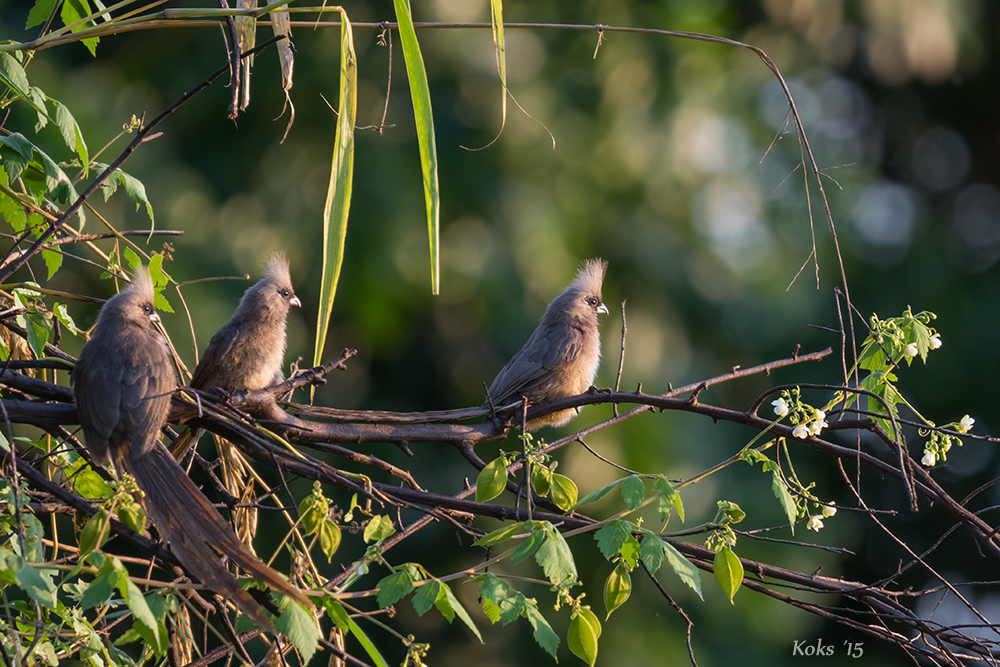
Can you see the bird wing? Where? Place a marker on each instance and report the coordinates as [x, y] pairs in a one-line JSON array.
[[146, 382], [98, 391], [218, 348], [534, 363]]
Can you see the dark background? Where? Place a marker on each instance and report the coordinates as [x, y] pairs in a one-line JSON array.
[[662, 167]]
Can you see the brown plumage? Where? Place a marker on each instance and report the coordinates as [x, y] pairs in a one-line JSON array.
[[561, 357], [248, 352], [122, 385]]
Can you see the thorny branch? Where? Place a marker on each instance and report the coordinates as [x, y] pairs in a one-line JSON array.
[[240, 417]]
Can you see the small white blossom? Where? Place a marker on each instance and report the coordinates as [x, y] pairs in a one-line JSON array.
[[929, 459], [361, 568], [828, 511], [911, 350], [815, 522], [780, 407], [731, 540], [800, 431], [935, 342], [817, 427], [947, 445], [965, 425], [820, 415]]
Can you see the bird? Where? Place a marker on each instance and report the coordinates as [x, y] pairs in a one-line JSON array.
[[248, 352], [122, 384], [562, 355]]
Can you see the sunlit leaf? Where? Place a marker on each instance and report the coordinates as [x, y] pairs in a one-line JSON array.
[[338, 196], [424, 121]]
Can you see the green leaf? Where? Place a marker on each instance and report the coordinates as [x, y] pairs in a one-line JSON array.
[[612, 537], [728, 571], [528, 546], [53, 260], [12, 74], [394, 587], [36, 583], [73, 11], [499, 535], [38, 329], [427, 596], [151, 630], [40, 13], [617, 588], [338, 195], [651, 552], [62, 314], [541, 479], [100, 590], [780, 490], [424, 120], [594, 496], [555, 557], [133, 515], [94, 533], [337, 613], [543, 632], [630, 551], [70, 132], [633, 491], [669, 499], [584, 630], [378, 528], [366, 643], [682, 567], [136, 191], [329, 538], [299, 626], [492, 480], [11, 209], [564, 492], [456, 606]]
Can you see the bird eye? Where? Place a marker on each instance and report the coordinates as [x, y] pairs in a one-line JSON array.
[[285, 293], [592, 301], [146, 308]]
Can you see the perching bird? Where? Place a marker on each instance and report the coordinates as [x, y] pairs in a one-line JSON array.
[[122, 385], [561, 357], [248, 351]]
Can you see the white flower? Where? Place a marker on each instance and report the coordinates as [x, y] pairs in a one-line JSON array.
[[817, 427], [828, 511], [780, 407], [929, 459], [361, 568], [911, 350], [800, 431], [935, 342], [815, 522], [965, 425], [820, 415]]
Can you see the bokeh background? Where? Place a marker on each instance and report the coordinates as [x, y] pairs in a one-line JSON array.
[[674, 160]]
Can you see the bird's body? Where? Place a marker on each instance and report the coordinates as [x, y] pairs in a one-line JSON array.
[[248, 352], [562, 355], [122, 385]]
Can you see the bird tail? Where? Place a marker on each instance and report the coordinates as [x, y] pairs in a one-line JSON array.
[[197, 533]]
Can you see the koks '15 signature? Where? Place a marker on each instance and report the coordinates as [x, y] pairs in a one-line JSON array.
[[819, 649]]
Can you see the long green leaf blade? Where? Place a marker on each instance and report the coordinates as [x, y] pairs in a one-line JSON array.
[[424, 120], [338, 196]]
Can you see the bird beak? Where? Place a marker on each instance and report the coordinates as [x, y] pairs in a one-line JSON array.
[[602, 309], [155, 317], [295, 301]]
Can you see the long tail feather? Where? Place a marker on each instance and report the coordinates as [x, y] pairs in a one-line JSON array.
[[197, 533]]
